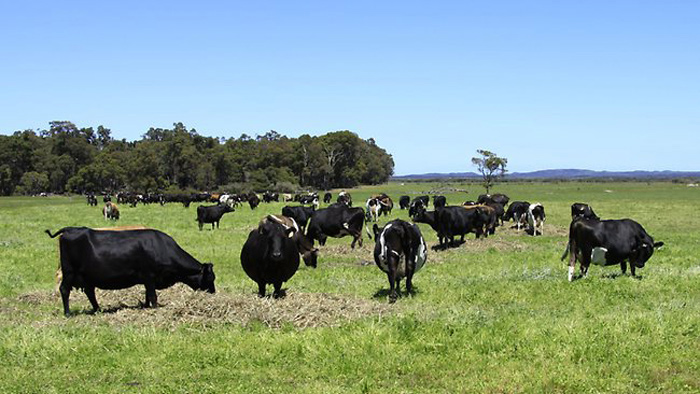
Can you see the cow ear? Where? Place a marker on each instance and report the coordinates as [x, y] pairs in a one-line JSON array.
[[290, 232], [658, 244]]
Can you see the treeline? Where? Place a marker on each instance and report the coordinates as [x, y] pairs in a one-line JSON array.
[[66, 158]]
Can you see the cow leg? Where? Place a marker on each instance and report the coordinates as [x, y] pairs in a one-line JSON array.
[[65, 288], [392, 284], [409, 274], [261, 289], [585, 262], [201, 224], [151, 297], [632, 269], [572, 259], [623, 267], [90, 293], [278, 290]]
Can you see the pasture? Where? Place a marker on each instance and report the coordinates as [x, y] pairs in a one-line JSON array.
[[493, 315]]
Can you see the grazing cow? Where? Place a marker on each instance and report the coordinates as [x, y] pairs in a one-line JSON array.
[[211, 214], [119, 259], [404, 201], [608, 242], [300, 214], [106, 198], [439, 201], [490, 198], [91, 200], [457, 220], [582, 211], [253, 200], [270, 255], [385, 204], [345, 198], [536, 218], [397, 240], [286, 197], [327, 198], [338, 220], [373, 208], [499, 211], [110, 211], [490, 216], [418, 204], [518, 212]]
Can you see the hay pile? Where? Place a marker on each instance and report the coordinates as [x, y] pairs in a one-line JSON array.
[[182, 306]]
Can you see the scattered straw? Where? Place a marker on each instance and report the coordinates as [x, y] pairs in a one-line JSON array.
[[180, 305]]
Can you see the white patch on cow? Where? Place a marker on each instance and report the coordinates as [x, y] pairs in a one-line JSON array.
[[571, 273], [383, 250], [421, 255], [598, 256], [347, 226]]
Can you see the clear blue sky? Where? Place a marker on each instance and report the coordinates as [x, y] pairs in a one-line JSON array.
[[603, 85]]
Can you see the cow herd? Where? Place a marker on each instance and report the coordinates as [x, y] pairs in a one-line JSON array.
[[120, 258]]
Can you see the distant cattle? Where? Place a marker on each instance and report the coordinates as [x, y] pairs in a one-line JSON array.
[[119, 259], [489, 216], [536, 218], [91, 200], [372, 209], [110, 211], [517, 211], [286, 197], [404, 201], [338, 220], [582, 211], [270, 255], [455, 220], [211, 214], [397, 241], [270, 197], [608, 242], [300, 214], [327, 198]]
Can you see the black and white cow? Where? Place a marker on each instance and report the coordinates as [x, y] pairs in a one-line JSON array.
[[536, 218], [211, 214], [582, 211], [372, 208], [119, 259], [397, 241], [608, 242], [338, 220], [344, 198], [418, 204], [517, 211], [404, 201], [300, 214]]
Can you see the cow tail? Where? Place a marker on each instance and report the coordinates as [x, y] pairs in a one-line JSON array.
[[369, 234], [59, 232], [566, 251]]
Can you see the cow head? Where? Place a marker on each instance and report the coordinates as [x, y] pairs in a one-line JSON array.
[[643, 252], [205, 279], [274, 235]]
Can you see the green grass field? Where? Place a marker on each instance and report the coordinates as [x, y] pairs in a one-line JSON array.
[[494, 315]]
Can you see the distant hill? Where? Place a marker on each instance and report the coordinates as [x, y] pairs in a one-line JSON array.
[[563, 174]]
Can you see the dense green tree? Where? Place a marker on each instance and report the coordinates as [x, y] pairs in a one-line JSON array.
[[490, 166]]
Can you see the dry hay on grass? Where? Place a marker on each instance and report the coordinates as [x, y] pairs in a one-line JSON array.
[[180, 305], [492, 243], [550, 230]]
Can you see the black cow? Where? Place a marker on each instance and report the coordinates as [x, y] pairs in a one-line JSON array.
[[119, 259], [517, 211], [499, 211], [439, 201], [608, 242], [211, 214], [91, 200], [457, 220], [397, 240], [418, 204], [300, 214], [253, 200], [404, 201], [270, 255], [489, 214], [582, 211], [270, 197], [491, 198], [338, 220], [327, 198]]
